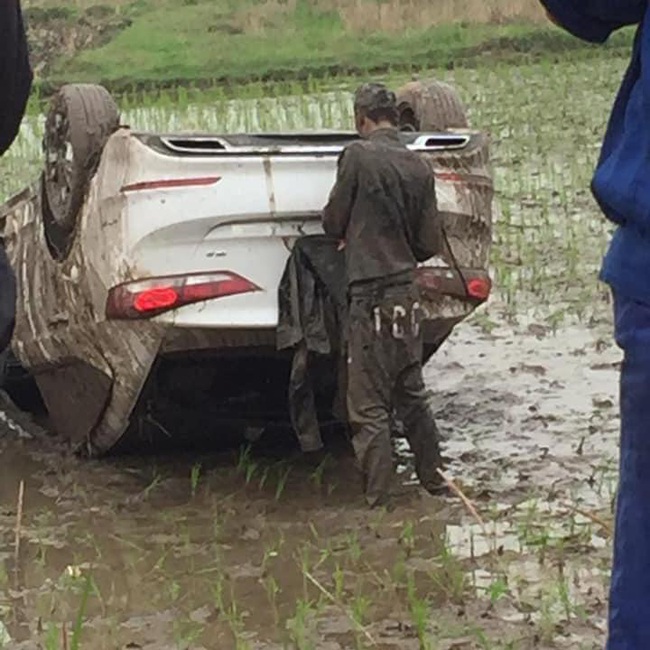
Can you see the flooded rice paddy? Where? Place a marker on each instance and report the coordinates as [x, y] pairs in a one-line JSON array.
[[247, 549], [255, 548]]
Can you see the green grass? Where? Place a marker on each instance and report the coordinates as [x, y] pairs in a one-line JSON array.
[[171, 43]]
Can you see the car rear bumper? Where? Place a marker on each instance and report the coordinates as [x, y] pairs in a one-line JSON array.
[[131, 352]]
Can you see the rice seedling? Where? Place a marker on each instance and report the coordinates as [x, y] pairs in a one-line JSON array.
[[302, 626], [317, 475], [237, 622], [244, 459], [272, 590], [407, 538], [449, 575], [155, 482], [194, 477], [420, 612], [186, 633], [360, 608], [339, 582], [271, 552], [497, 589], [282, 481], [264, 476], [251, 468]]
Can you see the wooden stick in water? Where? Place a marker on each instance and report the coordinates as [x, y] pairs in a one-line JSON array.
[[19, 521], [458, 492]]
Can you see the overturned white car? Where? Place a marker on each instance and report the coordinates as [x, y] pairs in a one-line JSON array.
[[148, 264]]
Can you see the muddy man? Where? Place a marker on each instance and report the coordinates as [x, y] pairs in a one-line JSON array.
[[383, 207]]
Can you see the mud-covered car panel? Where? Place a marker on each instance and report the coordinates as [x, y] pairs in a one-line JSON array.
[[89, 371]]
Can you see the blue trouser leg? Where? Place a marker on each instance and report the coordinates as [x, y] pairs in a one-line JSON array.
[[629, 618]]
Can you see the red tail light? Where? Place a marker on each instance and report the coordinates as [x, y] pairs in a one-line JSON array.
[[147, 298], [154, 300], [479, 288]]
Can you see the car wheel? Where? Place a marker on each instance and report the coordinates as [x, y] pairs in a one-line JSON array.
[[430, 106], [80, 120]]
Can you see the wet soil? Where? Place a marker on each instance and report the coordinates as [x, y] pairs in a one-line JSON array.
[[251, 548]]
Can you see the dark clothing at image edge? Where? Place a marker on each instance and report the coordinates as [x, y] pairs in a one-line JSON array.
[[15, 86], [622, 188], [621, 182], [15, 72]]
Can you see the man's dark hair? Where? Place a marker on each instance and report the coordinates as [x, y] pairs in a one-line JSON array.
[[376, 102]]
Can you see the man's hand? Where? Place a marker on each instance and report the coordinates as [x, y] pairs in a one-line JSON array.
[[341, 245]]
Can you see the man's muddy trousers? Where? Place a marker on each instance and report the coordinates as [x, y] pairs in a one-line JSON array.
[[629, 614], [385, 374]]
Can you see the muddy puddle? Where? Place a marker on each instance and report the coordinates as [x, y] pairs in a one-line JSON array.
[[249, 549]]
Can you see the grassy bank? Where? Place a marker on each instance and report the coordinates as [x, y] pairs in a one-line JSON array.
[[180, 42]]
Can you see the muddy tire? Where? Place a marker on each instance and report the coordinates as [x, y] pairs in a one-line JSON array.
[[80, 120], [430, 106]]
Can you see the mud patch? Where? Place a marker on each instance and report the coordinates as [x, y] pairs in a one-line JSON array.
[[521, 411]]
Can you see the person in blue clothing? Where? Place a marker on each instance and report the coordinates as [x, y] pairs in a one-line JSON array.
[[621, 186]]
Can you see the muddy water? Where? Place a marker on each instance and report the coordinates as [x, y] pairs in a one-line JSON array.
[[238, 550]]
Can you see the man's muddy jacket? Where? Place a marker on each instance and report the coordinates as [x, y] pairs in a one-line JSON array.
[[384, 206], [15, 85]]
